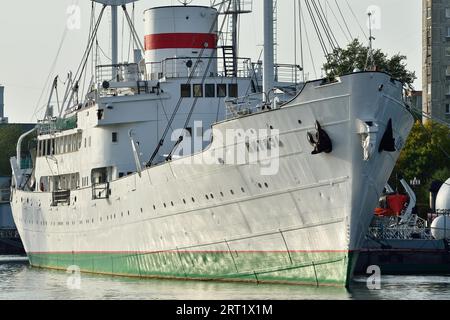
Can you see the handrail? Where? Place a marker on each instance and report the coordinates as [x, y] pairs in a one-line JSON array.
[[178, 67]]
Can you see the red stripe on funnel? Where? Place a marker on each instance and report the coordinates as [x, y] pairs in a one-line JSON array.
[[180, 41]]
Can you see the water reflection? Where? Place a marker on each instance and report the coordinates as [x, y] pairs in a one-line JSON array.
[[19, 281]]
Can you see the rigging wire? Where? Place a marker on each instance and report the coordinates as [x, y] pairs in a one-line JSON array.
[[91, 25], [302, 17], [356, 18], [325, 26], [327, 4], [180, 100], [343, 19], [52, 69], [317, 29], [301, 39]]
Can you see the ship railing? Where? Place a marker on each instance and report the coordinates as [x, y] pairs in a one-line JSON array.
[[416, 228], [5, 195], [182, 67], [240, 6], [242, 106], [100, 191], [288, 73], [60, 197], [124, 72], [55, 124]]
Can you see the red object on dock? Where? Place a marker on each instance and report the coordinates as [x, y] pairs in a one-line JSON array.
[[394, 205]]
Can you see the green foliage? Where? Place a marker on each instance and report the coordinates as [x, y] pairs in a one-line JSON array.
[[425, 156], [344, 61], [9, 134]]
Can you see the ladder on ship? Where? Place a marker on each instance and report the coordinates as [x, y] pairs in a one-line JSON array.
[[229, 61]]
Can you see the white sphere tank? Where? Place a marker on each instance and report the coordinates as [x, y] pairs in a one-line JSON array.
[[443, 198], [440, 228], [175, 37]]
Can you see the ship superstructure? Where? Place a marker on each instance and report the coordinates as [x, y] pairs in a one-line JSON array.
[[279, 188]]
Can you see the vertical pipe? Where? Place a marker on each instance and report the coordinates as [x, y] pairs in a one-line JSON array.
[[268, 47], [114, 40]]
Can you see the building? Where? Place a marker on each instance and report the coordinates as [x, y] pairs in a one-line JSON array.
[[436, 58], [414, 99], [3, 119]]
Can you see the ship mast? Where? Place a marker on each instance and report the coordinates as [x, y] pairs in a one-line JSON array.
[[114, 4], [269, 74]]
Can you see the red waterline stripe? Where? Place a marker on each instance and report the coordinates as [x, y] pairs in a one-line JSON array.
[[180, 41], [188, 251]]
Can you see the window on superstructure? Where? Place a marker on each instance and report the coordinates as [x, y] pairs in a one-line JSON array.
[[233, 90], [221, 90], [53, 146], [115, 137], [39, 149], [47, 147], [447, 109], [210, 91], [447, 12], [198, 90], [185, 90]]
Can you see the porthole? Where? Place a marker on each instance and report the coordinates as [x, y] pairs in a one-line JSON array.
[[171, 202], [221, 194], [121, 214], [193, 200], [260, 185], [154, 207], [184, 201], [207, 198], [266, 185], [142, 210], [165, 206], [243, 190], [299, 121], [128, 212], [231, 191], [212, 196]]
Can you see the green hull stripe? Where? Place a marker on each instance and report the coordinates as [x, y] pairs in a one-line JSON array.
[[317, 268]]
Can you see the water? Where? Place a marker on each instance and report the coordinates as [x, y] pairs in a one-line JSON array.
[[19, 281]]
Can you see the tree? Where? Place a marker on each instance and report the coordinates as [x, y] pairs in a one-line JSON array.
[[345, 61], [9, 135], [425, 156]]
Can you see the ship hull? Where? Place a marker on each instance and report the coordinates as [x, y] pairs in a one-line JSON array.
[[302, 224], [320, 268]]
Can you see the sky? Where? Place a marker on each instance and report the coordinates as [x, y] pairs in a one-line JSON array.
[[43, 39]]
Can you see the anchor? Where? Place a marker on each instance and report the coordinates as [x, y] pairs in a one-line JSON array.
[[320, 140]]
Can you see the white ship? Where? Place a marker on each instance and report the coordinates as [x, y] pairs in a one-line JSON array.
[[282, 189]]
